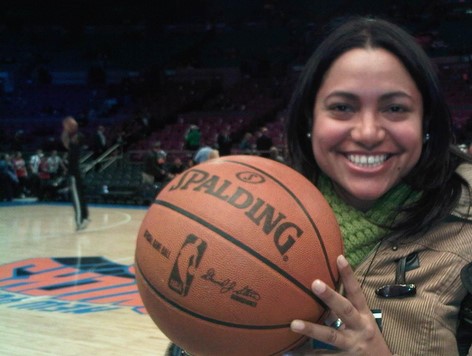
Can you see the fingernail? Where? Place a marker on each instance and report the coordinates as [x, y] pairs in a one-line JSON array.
[[297, 325], [342, 262], [318, 286]]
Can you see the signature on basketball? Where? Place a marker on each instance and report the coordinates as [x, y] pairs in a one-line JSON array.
[[227, 285]]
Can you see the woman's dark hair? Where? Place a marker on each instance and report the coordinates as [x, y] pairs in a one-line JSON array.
[[434, 173]]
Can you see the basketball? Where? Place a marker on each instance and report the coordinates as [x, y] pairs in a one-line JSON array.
[[227, 252]]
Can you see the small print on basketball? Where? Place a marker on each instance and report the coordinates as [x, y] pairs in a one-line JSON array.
[[227, 252]]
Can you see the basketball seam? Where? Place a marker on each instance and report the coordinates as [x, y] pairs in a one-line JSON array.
[[241, 245], [320, 240], [202, 317]]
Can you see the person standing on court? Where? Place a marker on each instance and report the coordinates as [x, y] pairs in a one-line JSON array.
[[73, 141]]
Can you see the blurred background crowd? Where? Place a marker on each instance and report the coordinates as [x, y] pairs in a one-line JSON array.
[[158, 81]]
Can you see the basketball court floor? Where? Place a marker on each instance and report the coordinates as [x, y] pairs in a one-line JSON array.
[[64, 292]]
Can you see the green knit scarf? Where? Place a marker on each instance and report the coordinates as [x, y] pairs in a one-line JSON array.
[[361, 231]]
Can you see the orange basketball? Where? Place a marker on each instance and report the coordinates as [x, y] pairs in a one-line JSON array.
[[226, 255]]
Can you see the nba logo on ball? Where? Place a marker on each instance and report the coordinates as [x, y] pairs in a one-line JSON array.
[[186, 264]]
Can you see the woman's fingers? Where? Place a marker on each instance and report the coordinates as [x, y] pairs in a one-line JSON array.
[[351, 285], [358, 334], [321, 333], [340, 306]]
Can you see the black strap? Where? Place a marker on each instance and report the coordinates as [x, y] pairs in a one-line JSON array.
[[464, 331], [466, 277]]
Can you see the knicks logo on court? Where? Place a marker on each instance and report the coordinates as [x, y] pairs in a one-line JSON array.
[[186, 264], [73, 285]]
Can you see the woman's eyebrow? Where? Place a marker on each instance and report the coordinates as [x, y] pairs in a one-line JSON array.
[[395, 94], [343, 94], [383, 97]]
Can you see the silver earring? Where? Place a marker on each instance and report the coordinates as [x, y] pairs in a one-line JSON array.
[[426, 138], [308, 135]]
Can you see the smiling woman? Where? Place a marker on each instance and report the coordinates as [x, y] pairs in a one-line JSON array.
[[367, 131], [369, 126]]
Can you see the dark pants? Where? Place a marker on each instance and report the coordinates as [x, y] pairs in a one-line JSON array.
[[77, 192]]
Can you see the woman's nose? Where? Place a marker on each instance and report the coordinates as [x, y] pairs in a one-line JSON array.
[[368, 130]]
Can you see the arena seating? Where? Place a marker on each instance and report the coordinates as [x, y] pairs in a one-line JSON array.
[[229, 63]]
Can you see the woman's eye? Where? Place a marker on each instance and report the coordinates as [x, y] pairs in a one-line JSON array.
[[396, 109], [340, 107]]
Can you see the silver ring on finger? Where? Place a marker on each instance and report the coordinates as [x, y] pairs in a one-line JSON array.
[[336, 324]]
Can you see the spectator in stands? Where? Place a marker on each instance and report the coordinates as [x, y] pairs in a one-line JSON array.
[[55, 164], [205, 153], [157, 147], [8, 178], [99, 143], [192, 138], [246, 146], [74, 142], [43, 169], [264, 142], [21, 171], [34, 180], [275, 155], [34, 161], [156, 169], [177, 166], [225, 141], [44, 176]]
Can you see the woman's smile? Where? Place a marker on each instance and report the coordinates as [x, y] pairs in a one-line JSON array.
[[366, 161]]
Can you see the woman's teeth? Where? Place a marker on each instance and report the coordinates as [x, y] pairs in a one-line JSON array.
[[367, 161]]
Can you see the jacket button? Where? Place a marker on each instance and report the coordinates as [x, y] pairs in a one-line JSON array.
[[394, 247]]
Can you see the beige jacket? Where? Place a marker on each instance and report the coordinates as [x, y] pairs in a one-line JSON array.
[[424, 324]]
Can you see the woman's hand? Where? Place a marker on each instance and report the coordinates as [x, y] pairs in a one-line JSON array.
[[359, 334]]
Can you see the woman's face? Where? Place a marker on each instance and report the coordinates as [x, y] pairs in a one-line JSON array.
[[367, 130]]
